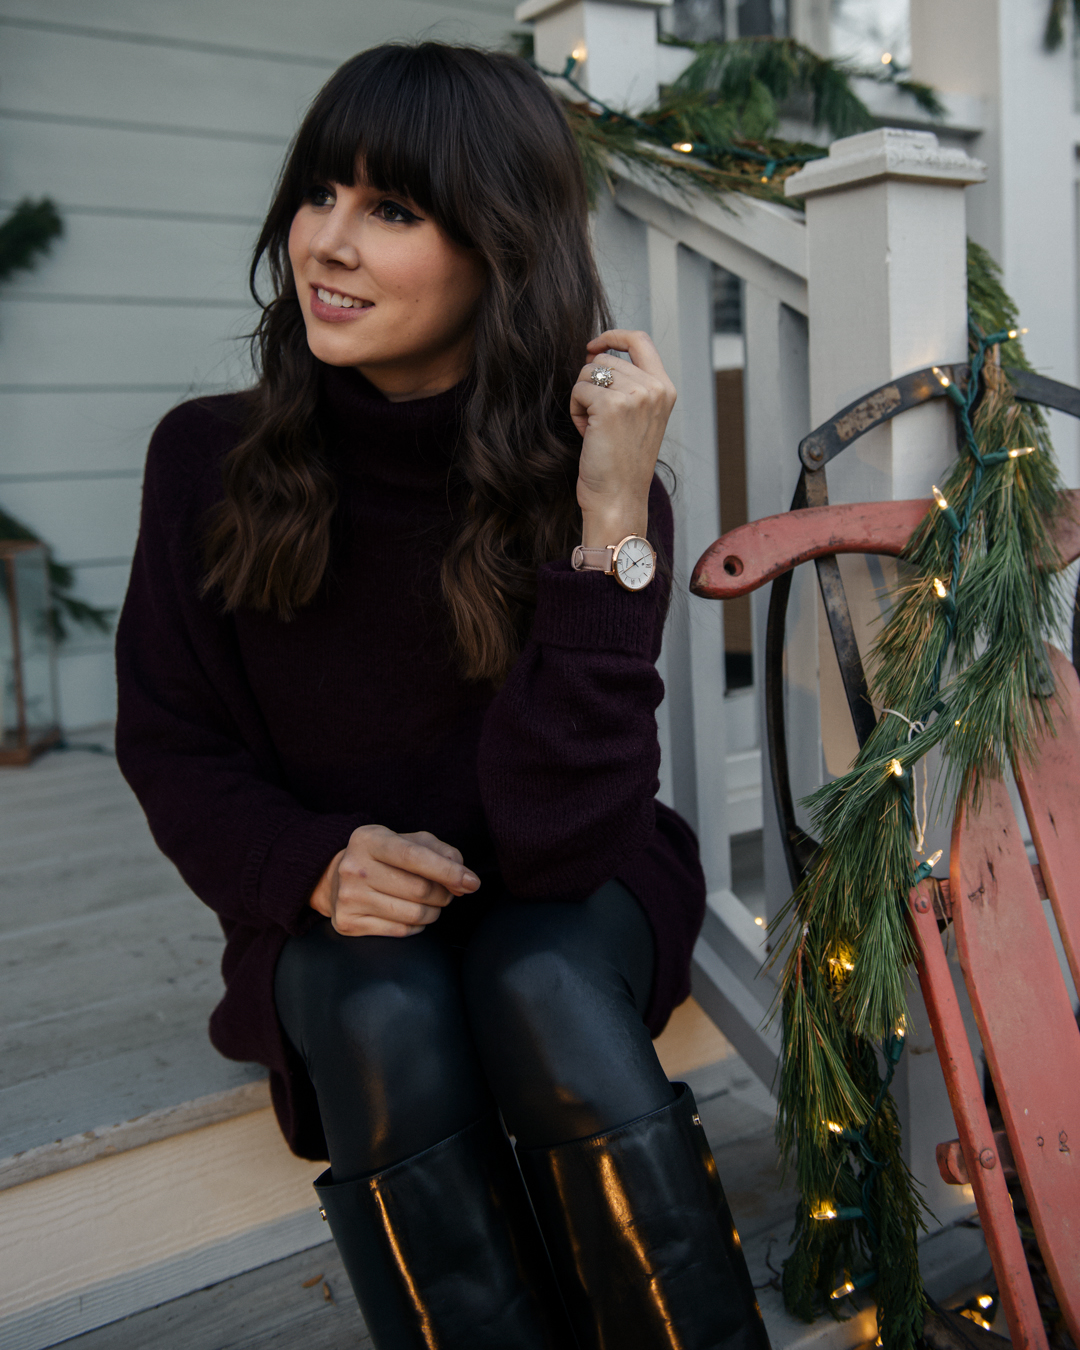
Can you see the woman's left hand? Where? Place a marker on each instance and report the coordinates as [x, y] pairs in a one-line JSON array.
[[622, 427]]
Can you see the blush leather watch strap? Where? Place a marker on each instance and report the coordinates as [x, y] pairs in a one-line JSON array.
[[593, 559]]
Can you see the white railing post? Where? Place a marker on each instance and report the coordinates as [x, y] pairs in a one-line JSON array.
[[776, 399], [885, 220], [613, 42]]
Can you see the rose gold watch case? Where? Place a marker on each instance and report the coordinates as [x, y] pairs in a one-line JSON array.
[[615, 562], [577, 561]]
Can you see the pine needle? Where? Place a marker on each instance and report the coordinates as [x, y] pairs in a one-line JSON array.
[[961, 663]]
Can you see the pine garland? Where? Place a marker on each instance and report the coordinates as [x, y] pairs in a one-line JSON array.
[[722, 114], [960, 663]]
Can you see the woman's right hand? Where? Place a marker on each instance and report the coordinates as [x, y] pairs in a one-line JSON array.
[[390, 885]]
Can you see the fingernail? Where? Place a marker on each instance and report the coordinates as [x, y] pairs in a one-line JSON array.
[[471, 879]]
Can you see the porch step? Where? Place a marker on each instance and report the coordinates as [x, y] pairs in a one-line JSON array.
[[270, 1309], [135, 1163], [730, 984]]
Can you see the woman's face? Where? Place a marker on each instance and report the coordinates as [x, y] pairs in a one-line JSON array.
[[384, 289]]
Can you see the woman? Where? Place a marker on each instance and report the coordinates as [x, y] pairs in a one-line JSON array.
[[404, 743]]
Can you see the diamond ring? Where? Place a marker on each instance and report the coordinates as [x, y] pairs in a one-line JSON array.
[[603, 376]]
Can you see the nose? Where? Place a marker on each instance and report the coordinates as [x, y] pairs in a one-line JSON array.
[[331, 243]]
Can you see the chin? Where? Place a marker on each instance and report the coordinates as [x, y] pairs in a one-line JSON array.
[[332, 353]]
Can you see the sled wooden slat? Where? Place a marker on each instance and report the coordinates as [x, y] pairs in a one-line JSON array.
[[973, 1123], [1050, 790], [1027, 1026]]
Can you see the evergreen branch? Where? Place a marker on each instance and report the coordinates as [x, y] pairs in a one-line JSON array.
[[925, 95], [768, 72], [28, 233], [61, 580], [1054, 33]]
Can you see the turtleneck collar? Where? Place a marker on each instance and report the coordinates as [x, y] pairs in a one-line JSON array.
[[408, 445]]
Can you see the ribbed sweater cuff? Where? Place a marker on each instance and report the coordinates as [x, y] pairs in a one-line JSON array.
[[592, 611], [287, 862]]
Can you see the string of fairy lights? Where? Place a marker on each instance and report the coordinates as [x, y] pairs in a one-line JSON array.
[[700, 149], [892, 1049]]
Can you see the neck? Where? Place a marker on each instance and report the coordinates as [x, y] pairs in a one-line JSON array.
[[403, 384]]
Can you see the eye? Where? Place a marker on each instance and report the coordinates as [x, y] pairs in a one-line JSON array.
[[394, 213], [319, 195]]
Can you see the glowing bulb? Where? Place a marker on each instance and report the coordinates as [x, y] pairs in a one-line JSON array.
[[764, 177], [846, 1288], [886, 60], [942, 378], [1021, 450], [895, 767], [985, 1300], [957, 722], [940, 588], [684, 147], [1015, 332], [825, 1211], [901, 1028], [836, 1129], [760, 921], [580, 52], [939, 497], [935, 858]]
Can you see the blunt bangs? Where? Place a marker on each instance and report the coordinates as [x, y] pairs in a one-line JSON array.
[[402, 113]]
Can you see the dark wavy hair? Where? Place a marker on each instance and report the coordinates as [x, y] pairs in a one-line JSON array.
[[478, 141]]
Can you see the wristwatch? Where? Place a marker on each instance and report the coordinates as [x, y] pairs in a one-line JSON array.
[[632, 562]]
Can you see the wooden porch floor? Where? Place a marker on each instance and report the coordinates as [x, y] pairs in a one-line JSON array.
[[110, 971], [305, 1300]]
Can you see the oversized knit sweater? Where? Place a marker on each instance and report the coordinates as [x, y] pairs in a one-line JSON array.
[[256, 746]]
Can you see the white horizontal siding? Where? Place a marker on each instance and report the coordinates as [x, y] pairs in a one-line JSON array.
[[136, 167], [76, 433], [213, 92], [167, 341], [158, 129], [87, 519], [128, 256], [271, 29]]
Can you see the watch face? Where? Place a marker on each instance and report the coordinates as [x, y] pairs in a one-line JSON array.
[[635, 563]]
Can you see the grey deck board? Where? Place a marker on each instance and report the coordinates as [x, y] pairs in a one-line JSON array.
[[265, 1309], [109, 965]]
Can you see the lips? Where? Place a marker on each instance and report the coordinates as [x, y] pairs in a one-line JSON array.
[[336, 306]]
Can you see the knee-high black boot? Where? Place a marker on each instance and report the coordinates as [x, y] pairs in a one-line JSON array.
[[641, 1237], [443, 1251]]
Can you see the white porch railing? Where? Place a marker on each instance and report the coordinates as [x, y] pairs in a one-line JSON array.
[[656, 248], [867, 284]]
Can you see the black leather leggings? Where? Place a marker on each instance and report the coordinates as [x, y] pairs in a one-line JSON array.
[[408, 1040]]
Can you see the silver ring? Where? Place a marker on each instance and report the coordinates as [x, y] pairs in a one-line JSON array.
[[603, 376]]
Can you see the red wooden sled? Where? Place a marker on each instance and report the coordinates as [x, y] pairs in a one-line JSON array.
[[993, 896]]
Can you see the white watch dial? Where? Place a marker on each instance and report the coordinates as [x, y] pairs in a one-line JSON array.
[[635, 563]]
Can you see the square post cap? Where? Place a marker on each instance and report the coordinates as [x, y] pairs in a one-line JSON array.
[[885, 153]]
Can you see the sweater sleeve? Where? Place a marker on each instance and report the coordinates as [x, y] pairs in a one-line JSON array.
[[569, 754], [190, 739]]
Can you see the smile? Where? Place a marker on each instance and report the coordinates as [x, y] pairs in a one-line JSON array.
[[339, 301]]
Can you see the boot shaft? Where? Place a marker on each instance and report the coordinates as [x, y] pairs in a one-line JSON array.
[[641, 1237]]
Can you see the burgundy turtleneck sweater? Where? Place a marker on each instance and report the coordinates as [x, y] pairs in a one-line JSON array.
[[257, 746]]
